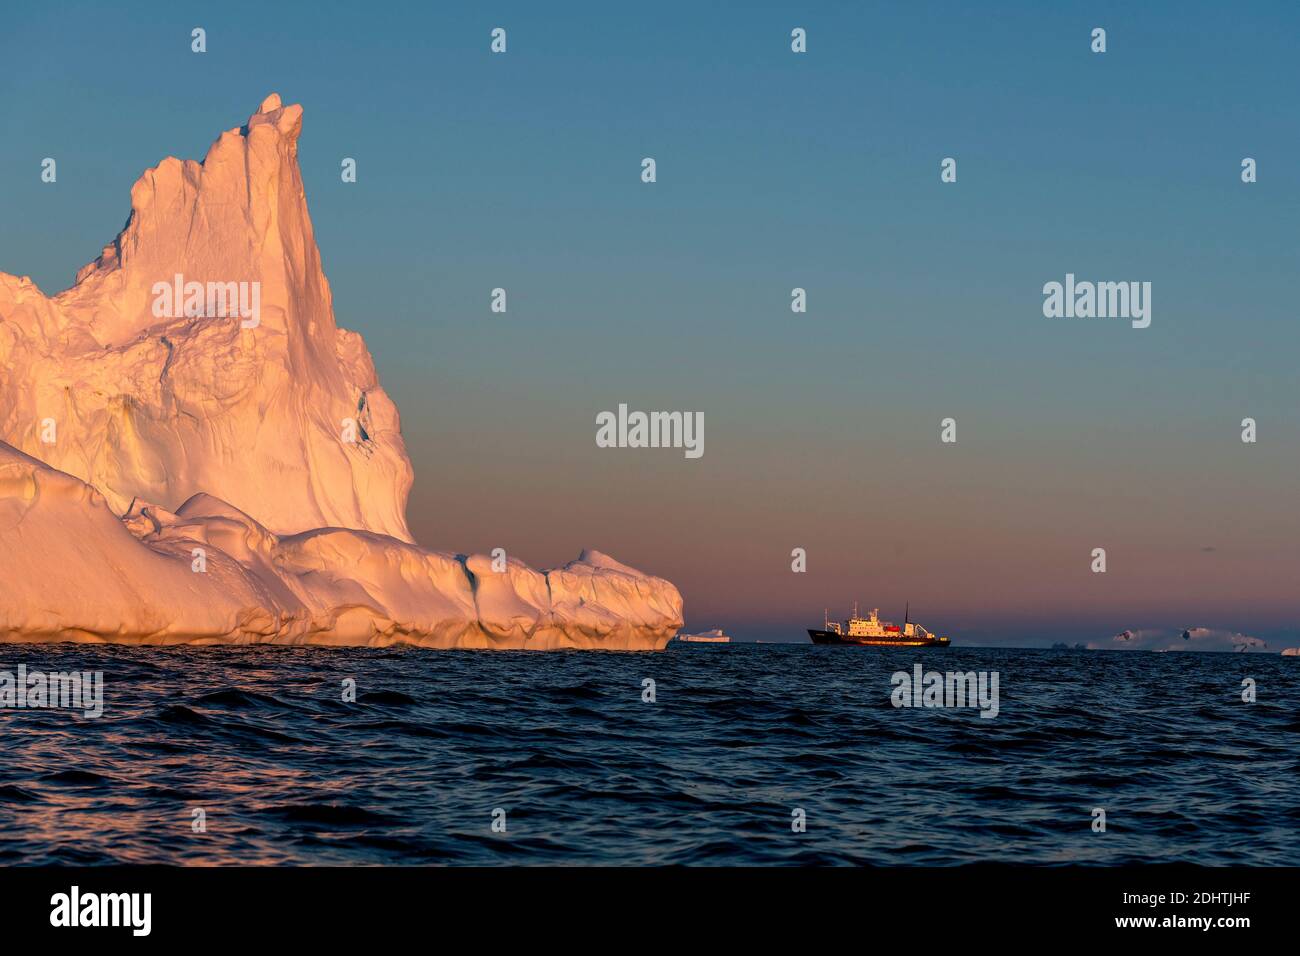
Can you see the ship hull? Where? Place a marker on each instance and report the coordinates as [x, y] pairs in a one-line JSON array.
[[830, 637]]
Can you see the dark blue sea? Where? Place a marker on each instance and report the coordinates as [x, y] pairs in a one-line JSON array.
[[738, 739]]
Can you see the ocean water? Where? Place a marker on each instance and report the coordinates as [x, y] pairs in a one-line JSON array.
[[738, 738]]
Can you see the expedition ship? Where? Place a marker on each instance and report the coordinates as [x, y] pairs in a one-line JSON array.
[[873, 631]]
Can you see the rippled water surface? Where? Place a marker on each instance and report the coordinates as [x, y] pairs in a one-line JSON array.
[[739, 736]]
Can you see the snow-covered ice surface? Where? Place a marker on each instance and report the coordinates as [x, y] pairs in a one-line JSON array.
[[241, 431]]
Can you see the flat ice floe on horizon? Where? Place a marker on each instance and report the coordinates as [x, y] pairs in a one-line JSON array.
[[109, 403]]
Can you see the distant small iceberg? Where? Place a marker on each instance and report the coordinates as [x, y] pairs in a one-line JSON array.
[[1291, 652], [714, 636]]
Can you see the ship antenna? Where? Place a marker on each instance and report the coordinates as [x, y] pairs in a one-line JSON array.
[[907, 608]]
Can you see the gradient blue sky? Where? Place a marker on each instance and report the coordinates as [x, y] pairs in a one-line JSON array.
[[775, 171]]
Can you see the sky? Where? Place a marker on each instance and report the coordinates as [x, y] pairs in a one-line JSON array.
[[775, 170]]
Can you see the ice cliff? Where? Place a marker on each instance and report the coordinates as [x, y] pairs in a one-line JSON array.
[[120, 401]]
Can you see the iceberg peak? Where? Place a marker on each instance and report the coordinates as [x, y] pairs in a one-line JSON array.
[[157, 395]]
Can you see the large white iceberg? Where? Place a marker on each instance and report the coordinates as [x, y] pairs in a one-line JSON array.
[[111, 414]]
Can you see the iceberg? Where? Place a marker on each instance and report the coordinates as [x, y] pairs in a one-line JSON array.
[[198, 472]]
